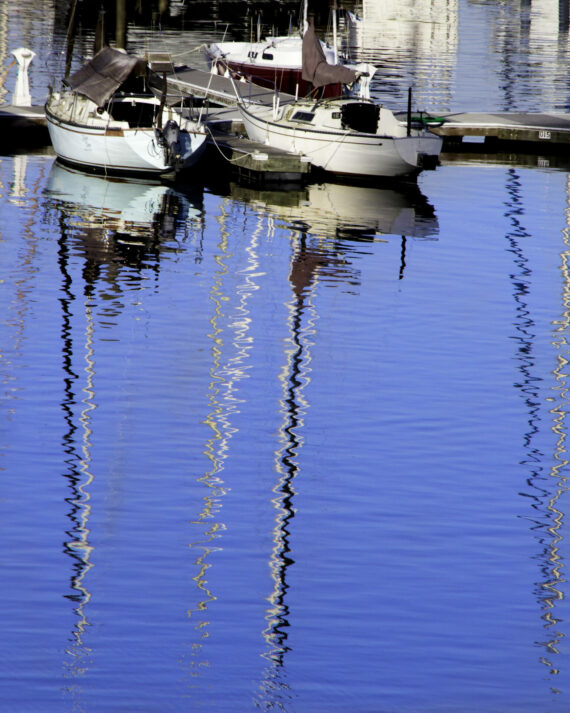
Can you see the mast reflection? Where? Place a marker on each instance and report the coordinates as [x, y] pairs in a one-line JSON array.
[[104, 226], [303, 276], [231, 347], [77, 405], [553, 571], [548, 518], [326, 222]]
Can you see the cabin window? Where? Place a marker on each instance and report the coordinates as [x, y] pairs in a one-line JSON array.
[[251, 54], [302, 116], [336, 115], [360, 117], [137, 114], [267, 55]]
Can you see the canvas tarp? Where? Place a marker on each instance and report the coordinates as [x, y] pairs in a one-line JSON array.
[[100, 78], [315, 67]]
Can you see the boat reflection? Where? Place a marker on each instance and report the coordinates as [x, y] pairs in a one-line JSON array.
[[315, 216], [105, 225], [130, 218], [341, 210]]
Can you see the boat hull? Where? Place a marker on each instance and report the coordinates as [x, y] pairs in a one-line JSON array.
[[275, 63], [283, 79], [346, 152], [126, 150]]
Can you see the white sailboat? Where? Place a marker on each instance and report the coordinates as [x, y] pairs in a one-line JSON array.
[[344, 135], [107, 118], [276, 61]]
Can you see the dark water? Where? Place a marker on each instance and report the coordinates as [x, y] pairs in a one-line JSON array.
[[300, 451]]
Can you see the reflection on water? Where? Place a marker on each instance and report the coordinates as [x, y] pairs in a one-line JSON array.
[[545, 491], [412, 43], [294, 377], [339, 210], [336, 215], [549, 503], [112, 225], [290, 346], [130, 218], [77, 406]]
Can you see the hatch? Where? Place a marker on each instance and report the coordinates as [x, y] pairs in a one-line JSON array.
[[360, 116]]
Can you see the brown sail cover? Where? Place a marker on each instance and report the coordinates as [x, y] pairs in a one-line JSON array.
[[100, 78], [315, 66]]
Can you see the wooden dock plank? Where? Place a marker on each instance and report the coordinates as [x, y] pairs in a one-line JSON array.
[[546, 128], [198, 83], [22, 126], [257, 161]]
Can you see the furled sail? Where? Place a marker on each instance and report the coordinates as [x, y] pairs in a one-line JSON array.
[[315, 66]]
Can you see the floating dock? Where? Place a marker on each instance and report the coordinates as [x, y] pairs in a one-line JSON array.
[[221, 90], [257, 163], [22, 126], [533, 128]]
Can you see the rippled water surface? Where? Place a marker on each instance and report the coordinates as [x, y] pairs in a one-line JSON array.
[[293, 450]]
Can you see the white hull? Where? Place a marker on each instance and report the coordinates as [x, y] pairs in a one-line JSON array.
[[275, 53], [384, 154], [279, 61], [97, 142]]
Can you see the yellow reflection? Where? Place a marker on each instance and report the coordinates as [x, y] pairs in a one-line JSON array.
[[230, 352], [559, 411]]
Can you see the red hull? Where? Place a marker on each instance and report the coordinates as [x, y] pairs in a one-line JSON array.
[[285, 79]]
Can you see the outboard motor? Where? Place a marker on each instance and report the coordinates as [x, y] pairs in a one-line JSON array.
[[170, 140]]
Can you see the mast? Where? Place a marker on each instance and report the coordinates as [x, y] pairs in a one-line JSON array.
[[70, 37], [335, 47], [121, 26]]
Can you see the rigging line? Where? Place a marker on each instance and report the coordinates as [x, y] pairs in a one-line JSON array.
[[229, 160], [190, 51]]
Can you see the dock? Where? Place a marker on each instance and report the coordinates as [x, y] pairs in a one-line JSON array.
[[221, 90], [258, 163], [22, 126], [540, 129]]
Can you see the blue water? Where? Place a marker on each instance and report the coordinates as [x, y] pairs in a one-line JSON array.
[[299, 451]]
